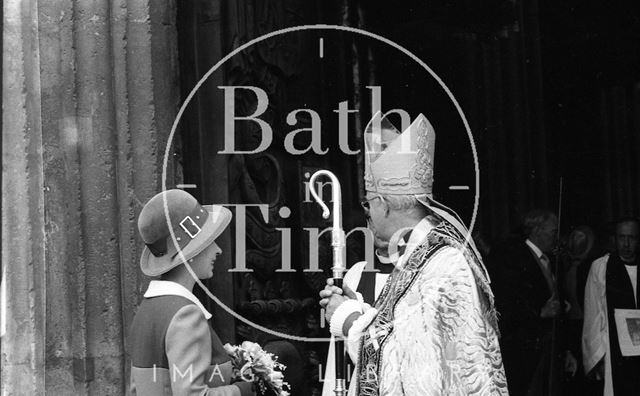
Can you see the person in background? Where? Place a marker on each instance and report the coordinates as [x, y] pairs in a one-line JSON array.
[[612, 284], [577, 258], [527, 298], [173, 349]]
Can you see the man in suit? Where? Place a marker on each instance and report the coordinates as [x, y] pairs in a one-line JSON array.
[[527, 299]]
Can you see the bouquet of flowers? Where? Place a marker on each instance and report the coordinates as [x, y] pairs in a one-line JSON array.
[[252, 364]]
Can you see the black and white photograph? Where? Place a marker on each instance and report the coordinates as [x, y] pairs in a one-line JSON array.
[[320, 198]]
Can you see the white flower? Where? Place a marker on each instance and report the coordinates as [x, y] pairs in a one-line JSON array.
[[276, 375], [252, 348], [229, 349]]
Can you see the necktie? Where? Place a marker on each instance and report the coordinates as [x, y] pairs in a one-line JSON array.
[[546, 270], [545, 262]]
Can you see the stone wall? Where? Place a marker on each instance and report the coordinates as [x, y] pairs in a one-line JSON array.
[[90, 91]]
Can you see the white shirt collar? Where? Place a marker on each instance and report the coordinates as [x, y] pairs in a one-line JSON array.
[[532, 246], [167, 288]]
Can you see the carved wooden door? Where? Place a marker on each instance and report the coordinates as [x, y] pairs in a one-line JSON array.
[[263, 170]]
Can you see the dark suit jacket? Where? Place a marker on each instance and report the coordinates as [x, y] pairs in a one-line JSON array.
[[520, 291]]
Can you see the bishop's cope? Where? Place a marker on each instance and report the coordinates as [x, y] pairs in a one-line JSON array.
[[430, 326]]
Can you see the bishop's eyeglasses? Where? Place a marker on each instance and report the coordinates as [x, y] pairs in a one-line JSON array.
[[366, 203]]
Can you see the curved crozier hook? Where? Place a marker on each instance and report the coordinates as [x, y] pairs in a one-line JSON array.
[[337, 233], [314, 193]]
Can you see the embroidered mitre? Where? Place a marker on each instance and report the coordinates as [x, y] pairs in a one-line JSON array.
[[399, 163]]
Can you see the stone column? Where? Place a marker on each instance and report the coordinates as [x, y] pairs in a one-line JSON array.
[[90, 91], [23, 250]]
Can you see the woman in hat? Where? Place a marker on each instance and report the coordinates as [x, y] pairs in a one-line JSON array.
[[173, 349]]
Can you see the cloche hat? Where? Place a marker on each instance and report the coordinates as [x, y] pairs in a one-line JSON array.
[[194, 227]]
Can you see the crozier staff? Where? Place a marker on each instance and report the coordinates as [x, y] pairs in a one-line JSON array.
[[173, 349], [338, 244]]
